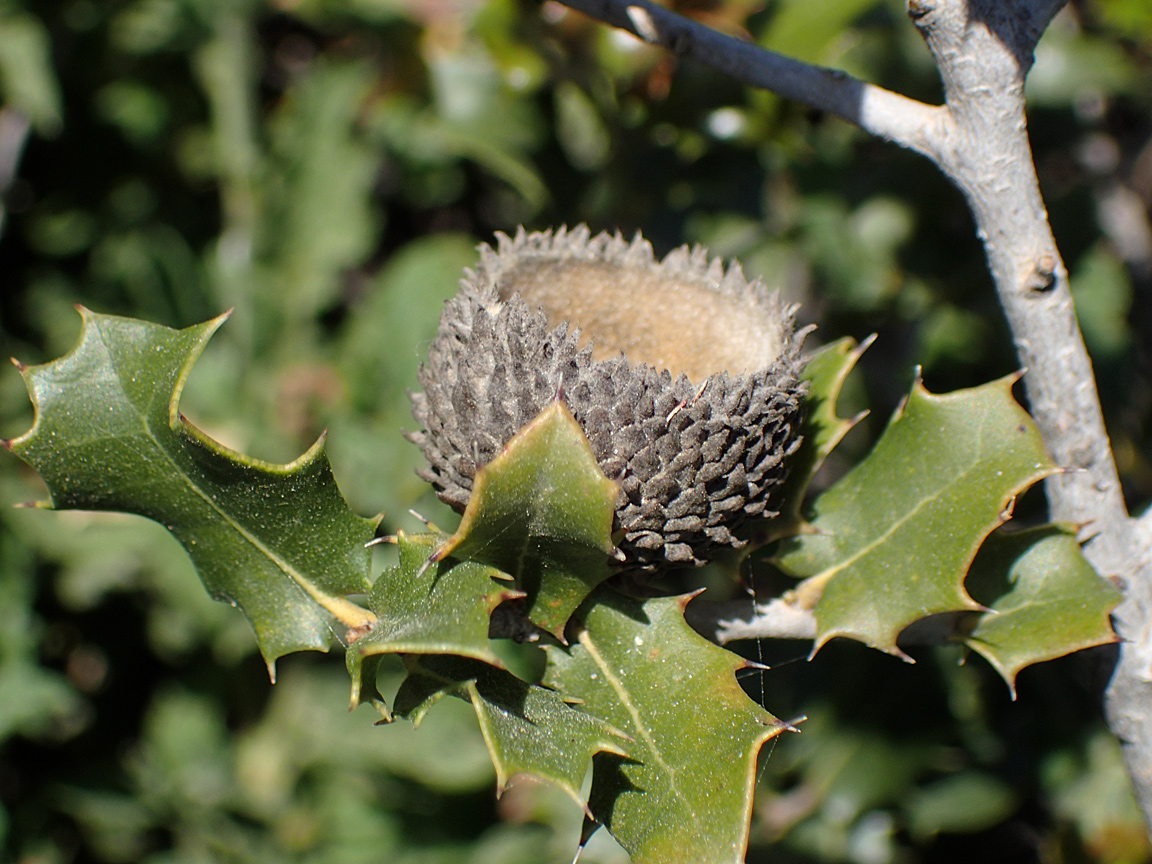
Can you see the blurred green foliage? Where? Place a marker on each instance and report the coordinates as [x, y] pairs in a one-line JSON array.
[[325, 168]]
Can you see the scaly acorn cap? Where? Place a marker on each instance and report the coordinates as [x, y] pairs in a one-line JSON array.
[[683, 374]]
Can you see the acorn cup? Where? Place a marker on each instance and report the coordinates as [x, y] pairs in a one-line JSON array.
[[683, 375]]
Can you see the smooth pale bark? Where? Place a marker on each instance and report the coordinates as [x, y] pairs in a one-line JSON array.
[[979, 139]]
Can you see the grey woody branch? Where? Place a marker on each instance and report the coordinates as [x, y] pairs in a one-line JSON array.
[[978, 138], [879, 112]]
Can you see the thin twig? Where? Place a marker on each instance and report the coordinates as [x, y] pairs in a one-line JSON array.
[[878, 111], [735, 619]]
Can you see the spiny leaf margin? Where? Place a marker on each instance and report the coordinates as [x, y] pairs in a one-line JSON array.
[[425, 607], [542, 512], [679, 794], [529, 730], [891, 541], [276, 540], [1055, 602], [822, 429]]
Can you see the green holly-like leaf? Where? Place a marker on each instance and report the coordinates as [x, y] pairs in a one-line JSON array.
[[425, 607], [826, 373], [528, 729], [684, 790], [822, 429], [890, 543], [542, 512], [276, 540], [1051, 602]]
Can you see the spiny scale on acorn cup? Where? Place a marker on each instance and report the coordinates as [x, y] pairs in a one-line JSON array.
[[684, 376]]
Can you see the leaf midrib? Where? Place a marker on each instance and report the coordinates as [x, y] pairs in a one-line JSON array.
[[895, 526], [625, 699], [321, 599]]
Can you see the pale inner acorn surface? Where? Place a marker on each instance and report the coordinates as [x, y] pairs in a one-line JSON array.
[[675, 324]]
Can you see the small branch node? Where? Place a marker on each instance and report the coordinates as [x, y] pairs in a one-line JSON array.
[[1042, 278]]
